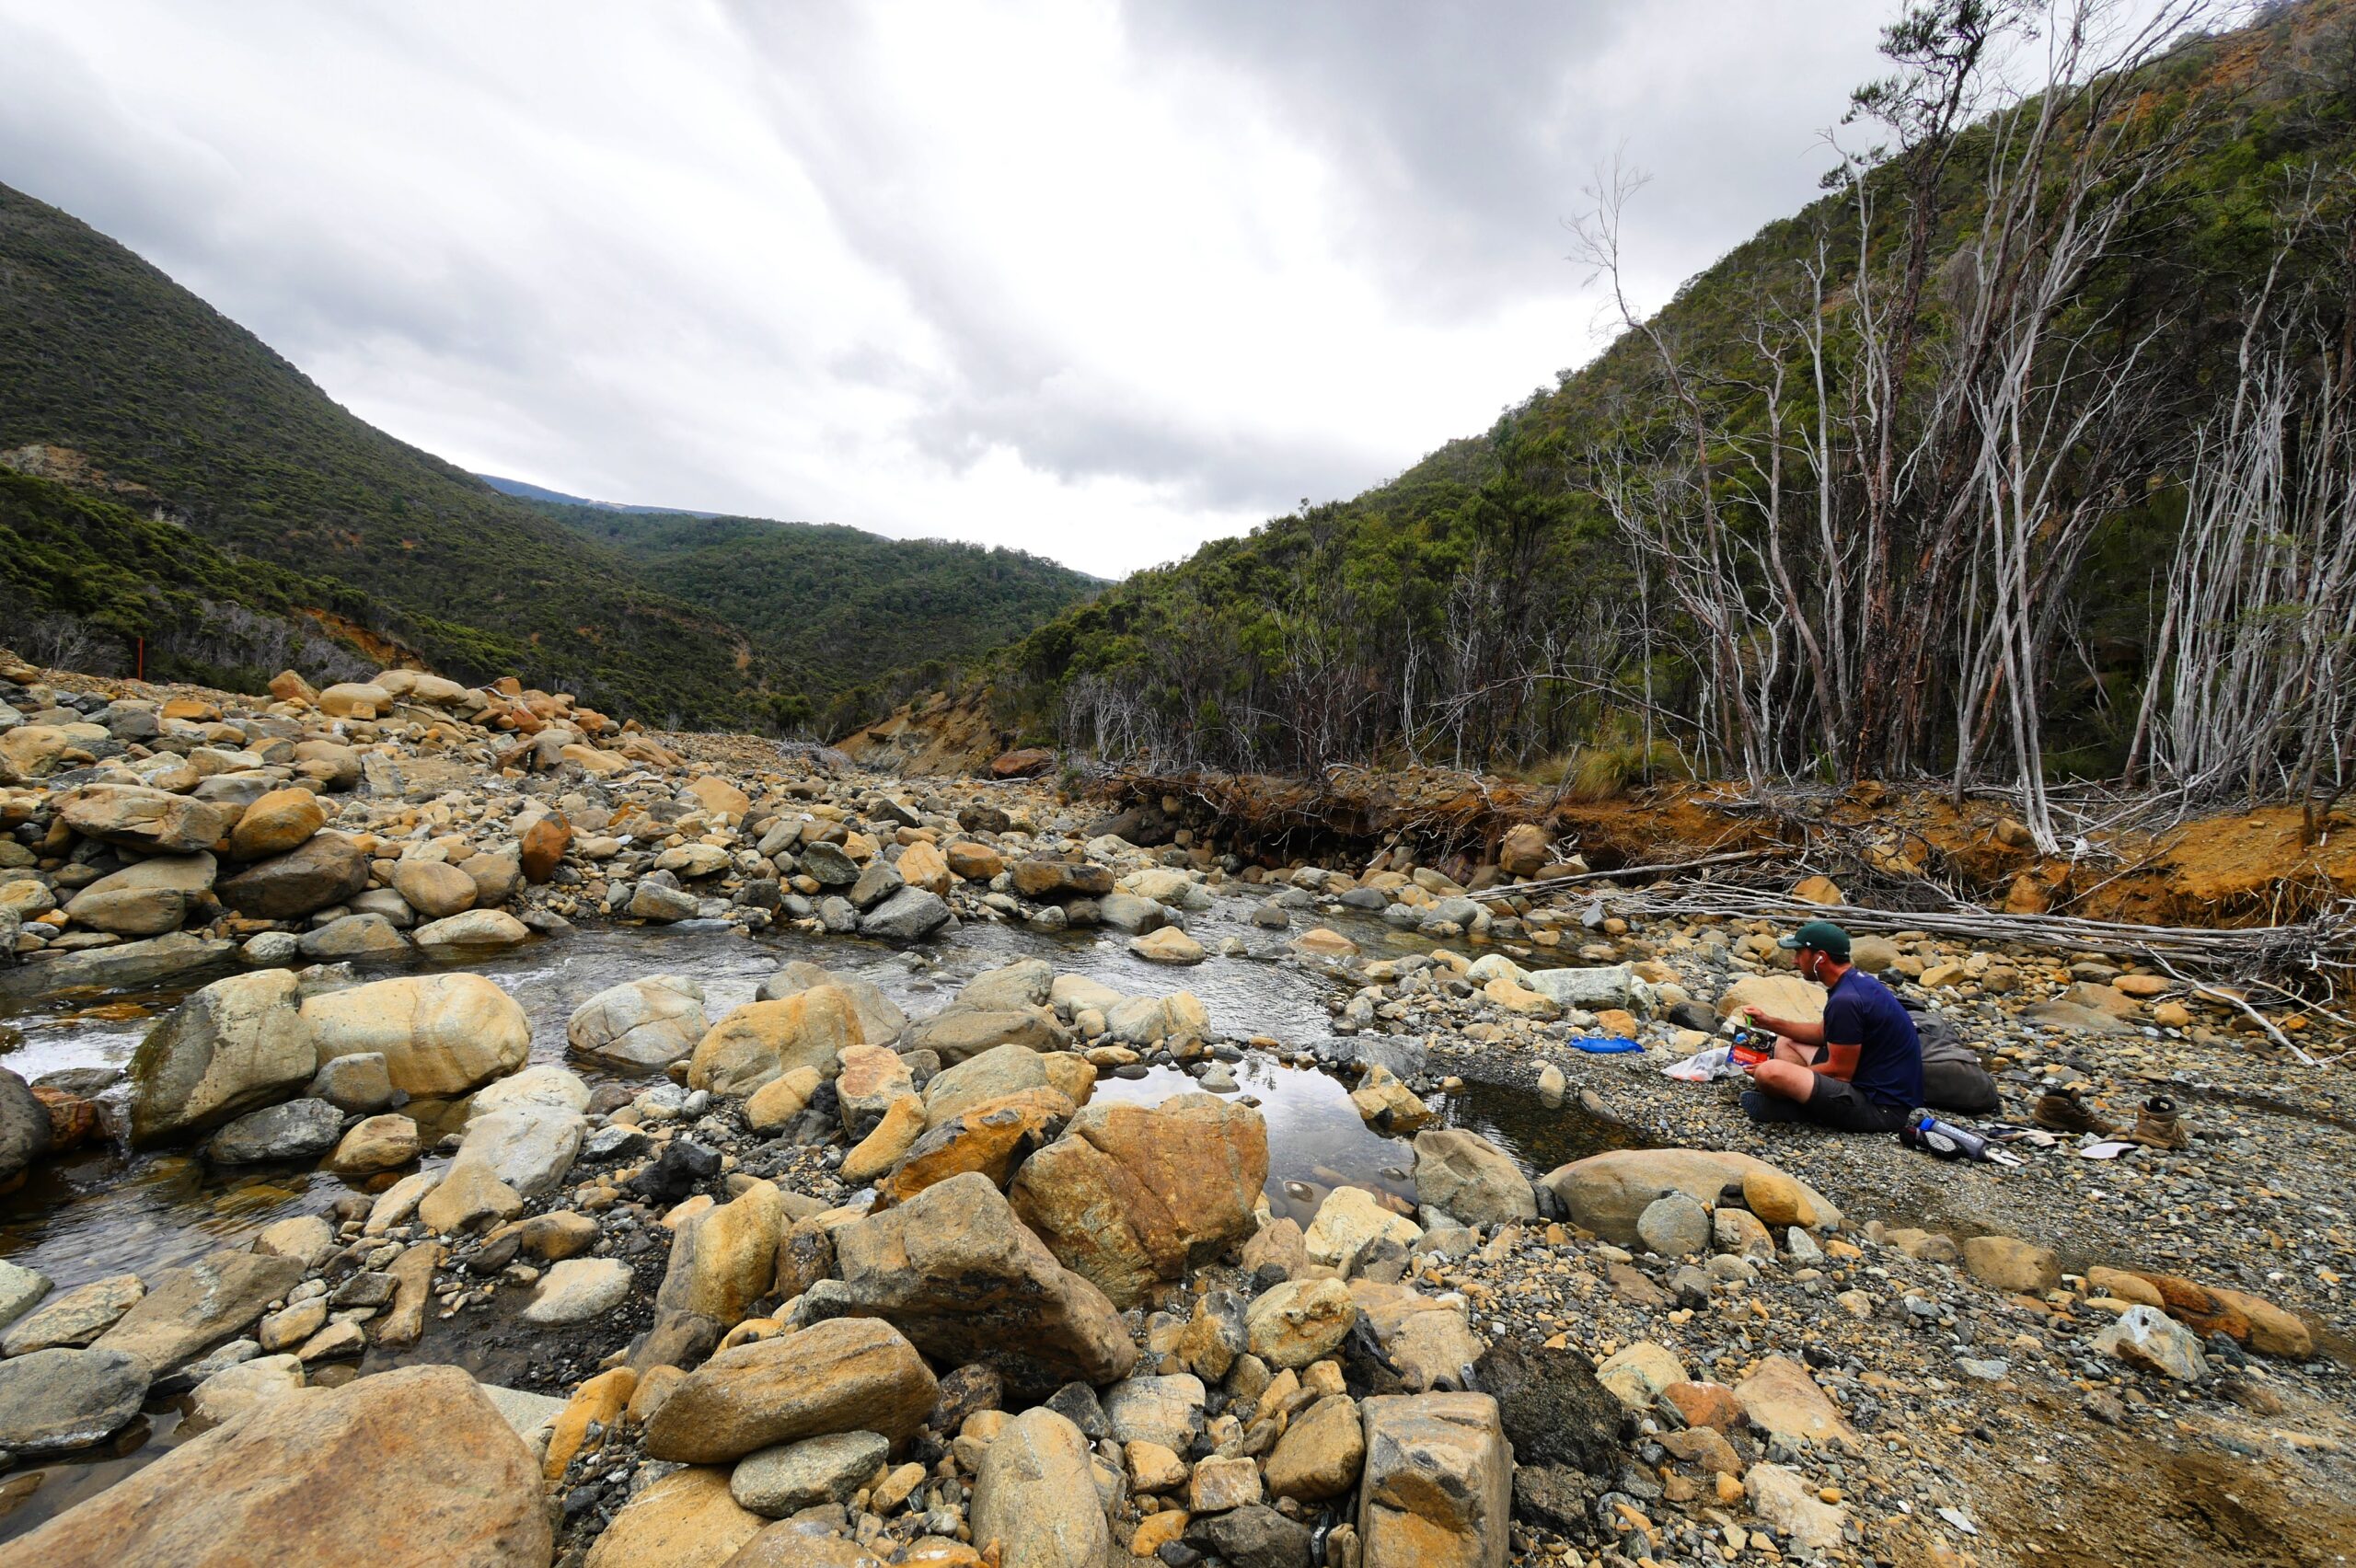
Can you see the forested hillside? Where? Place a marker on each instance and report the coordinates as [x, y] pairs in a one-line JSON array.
[[2021, 453], [856, 615], [100, 354]]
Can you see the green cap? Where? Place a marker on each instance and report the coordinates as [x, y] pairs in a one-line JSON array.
[[1824, 936]]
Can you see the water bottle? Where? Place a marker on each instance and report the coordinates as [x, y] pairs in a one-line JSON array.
[[1944, 1139]]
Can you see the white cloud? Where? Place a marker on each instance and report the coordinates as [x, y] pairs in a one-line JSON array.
[[1097, 282]]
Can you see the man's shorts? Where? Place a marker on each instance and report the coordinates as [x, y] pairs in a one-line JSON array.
[[1833, 1104]]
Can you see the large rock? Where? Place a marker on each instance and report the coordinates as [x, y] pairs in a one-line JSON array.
[[189, 1308], [1320, 1453], [725, 1258], [296, 1129], [1348, 1221], [956, 1272], [991, 1139], [994, 1074], [1608, 1193], [278, 822], [145, 899], [782, 1481], [434, 888], [1777, 995], [851, 1375], [1553, 1410], [640, 1026], [1132, 1194], [873, 1078], [910, 915], [1150, 1021], [685, 1520], [1467, 1177], [1781, 1399], [1426, 1339], [475, 928], [2007, 1262], [326, 869], [1036, 1496], [440, 1034], [237, 1043], [578, 1289], [1299, 1322], [74, 1318], [1060, 880], [409, 1466], [960, 1033], [759, 1040], [1437, 1488], [1013, 987], [124, 966], [136, 817], [25, 1133], [55, 1401], [880, 1018]]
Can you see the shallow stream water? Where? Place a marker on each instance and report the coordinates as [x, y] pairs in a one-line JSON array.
[[103, 1211]]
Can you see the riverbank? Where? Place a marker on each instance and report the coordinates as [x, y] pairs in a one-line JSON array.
[[1152, 1170]]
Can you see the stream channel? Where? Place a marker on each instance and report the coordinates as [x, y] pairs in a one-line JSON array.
[[103, 1210]]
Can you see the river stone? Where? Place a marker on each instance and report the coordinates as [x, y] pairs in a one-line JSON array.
[[880, 1019], [1781, 1399], [992, 1139], [1164, 1410], [1348, 1221], [1606, 1193], [379, 1143], [1320, 1453], [1553, 1409], [145, 899], [200, 1304], [1467, 1177], [993, 1075], [412, 1465], [579, 1289], [1013, 987], [1168, 945], [1299, 1322], [1437, 1488], [640, 1026], [25, 1127], [872, 1077], [465, 1195], [853, 1374], [965, 1279], [783, 1480], [136, 817], [305, 1237], [725, 1258], [236, 1043], [1253, 1536], [123, 967], [2148, 1339], [1426, 1338], [1060, 880], [1147, 1020], [2007, 1262], [1674, 1226], [74, 1318], [434, 888], [358, 1082], [960, 1034], [298, 1129], [474, 928], [326, 870], [440, 1034], [663, 904], [686, 1519], [353, 936], [1133, 1193], [910, 915], [54, 1401], [1035, 1498], [20, 1289], [758, 1041], [234, 1390], [527, 1146], [278, 822]]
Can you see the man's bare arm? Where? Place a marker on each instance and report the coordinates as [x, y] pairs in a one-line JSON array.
[[1839, 1062]]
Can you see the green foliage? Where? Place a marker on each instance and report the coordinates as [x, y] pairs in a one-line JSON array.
[[838, 604], [102, 354]]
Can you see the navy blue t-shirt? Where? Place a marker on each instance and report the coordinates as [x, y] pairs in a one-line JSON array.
[[1861, 1011]]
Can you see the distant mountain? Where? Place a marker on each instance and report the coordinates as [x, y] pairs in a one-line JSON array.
[[526, 491], [852, 612], [154, 396]]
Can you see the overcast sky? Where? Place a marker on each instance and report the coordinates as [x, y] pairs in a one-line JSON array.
[[1097, 280]]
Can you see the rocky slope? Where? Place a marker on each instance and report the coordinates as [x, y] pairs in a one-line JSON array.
[[810, 1280]]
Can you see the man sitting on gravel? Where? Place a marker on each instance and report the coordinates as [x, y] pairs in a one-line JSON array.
[[1860, 1070]]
